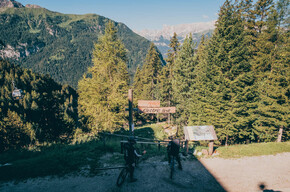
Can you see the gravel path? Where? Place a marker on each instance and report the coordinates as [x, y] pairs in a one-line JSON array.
[[211, 174]]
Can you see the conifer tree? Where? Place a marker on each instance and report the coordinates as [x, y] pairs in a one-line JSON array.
[[272, 71], [200, 107], [150, 73], [137, 84], [166, 76], [103, 90], [183, 79], [229, 65]]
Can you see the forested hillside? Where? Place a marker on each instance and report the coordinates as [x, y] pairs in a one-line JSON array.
[[60, 44], [47, 113], [237, 80]]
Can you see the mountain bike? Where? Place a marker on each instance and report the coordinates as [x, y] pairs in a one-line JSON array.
[[122, 176]]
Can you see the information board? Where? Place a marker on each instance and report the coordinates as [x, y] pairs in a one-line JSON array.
[[199, 133]]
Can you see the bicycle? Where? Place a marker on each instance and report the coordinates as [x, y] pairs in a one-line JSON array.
[[122, 176]]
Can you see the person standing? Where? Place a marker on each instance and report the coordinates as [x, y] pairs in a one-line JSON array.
[[173, 150], [130, 154]]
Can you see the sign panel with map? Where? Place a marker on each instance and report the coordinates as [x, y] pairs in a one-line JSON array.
[[199, 133]]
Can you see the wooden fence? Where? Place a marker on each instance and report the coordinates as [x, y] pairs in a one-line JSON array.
[[146, 141]]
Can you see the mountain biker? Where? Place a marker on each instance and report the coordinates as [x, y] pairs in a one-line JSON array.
[[130, 154], [173, 150]]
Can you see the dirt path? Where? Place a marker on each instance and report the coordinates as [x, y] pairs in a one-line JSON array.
[[216, 174]]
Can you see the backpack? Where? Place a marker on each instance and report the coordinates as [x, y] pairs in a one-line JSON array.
[[128, 153]]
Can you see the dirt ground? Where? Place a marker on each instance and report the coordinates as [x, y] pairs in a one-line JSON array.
[[271, 172]]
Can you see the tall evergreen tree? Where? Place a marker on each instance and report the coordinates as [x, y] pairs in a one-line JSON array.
[[149, 75], [200, 107], [272, 71], [183, 79], [166, 76], [103, 90], [228, 61]]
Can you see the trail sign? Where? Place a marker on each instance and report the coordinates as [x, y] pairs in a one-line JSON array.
[[148, 103], [198, 133], [157, 109]]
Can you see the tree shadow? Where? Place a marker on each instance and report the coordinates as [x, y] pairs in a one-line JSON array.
[[262, 187]]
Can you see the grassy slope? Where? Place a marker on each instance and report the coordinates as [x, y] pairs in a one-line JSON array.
[[255, 149]]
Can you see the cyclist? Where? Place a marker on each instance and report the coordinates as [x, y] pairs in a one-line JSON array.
[[173, 150], [130, 154]]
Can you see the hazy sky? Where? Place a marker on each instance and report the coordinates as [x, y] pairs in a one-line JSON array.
[[139, 14]]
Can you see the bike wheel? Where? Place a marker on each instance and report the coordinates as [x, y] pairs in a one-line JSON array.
[[171, 168], [122, 176]]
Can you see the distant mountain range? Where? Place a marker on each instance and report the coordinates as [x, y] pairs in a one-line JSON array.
[[162, 37], [59, 44]]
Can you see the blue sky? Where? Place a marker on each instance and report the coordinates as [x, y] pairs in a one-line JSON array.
[[139, 14]]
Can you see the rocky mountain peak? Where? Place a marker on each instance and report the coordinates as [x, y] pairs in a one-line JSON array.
[[10, 4], [32, 6]]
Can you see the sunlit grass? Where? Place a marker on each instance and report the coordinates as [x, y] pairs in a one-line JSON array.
[[255, 149]]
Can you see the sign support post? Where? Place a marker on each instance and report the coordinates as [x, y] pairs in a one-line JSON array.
[[130, 99], [210, 147]]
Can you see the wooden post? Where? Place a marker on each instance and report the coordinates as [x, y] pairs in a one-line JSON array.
[[130, 99], [158, 145], [122, 147], [210, 148], [186, 146], [279, 139]]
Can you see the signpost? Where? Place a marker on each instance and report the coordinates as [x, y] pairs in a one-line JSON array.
[[148, 103], [153, 107], [157, 110], [145, 106]]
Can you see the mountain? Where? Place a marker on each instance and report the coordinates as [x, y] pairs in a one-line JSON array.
[[162, 37], [10, 4], [59, 44]]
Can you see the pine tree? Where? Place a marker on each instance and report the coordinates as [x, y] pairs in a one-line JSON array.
[[137, 84], [166, 76], [103, 90], [183, 79], [272, 71], [227, 67], [262, 10], [200, 107], [150, 73]]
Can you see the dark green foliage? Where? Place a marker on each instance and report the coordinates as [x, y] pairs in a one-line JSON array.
[[47, 112], [183, 78], [146, 84], [238, 80], [61, 45]]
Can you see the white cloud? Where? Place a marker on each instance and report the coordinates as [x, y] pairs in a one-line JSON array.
[[205, 16]]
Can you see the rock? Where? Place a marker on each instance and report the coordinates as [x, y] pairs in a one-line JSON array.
[[10, 4], [32, 6], [204, 151]]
